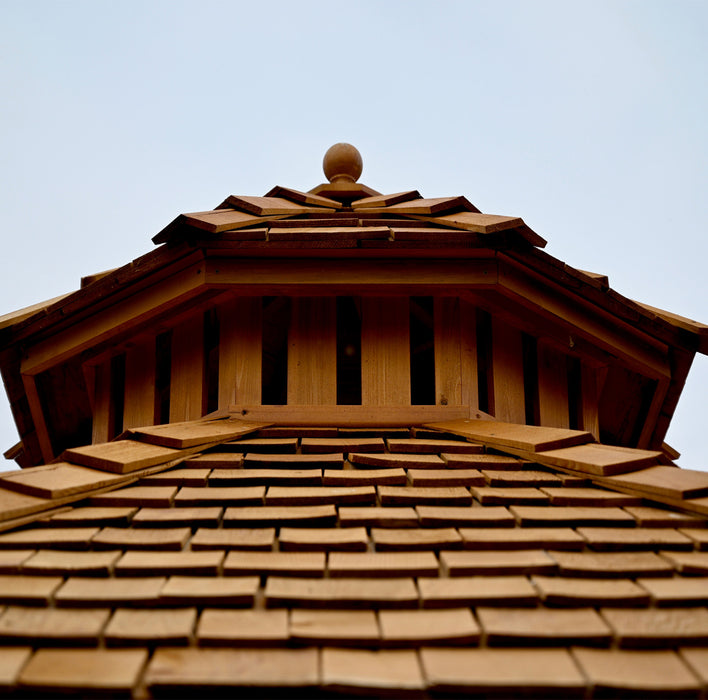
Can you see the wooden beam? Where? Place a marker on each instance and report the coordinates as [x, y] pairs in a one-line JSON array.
[[385, 351], [645, 354], [240, 351], [312, 351], [681, 361], [37, 412], [699, 330], [350, 416], [341, 276], [549, 330], [115, 320]]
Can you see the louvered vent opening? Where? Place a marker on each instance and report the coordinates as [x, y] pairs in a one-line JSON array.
[[346, 350]]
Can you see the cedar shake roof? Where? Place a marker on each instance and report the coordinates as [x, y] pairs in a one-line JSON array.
[[214, 510], [467, 556]]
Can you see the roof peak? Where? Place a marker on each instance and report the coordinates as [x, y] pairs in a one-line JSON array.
[[342, 162], [342, 165]]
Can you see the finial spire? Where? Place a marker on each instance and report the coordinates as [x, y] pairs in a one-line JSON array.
[[342, 162]]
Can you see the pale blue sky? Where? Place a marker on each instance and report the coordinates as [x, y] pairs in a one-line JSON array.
[[588, 119]]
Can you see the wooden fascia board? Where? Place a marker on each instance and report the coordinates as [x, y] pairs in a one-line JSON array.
[[681, 361], [113, 320], [352, 416], [594, 292], [123, 282], [329, 276], [272, 250], [16, 317], [700, 330], [537, 292], [163, 321], [555, 331]]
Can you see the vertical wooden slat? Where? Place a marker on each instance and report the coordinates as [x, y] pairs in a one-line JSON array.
[[312, 351], [240, 351], [385, 351], [187, 378], [591, 386], [448, 359], [139, 405], [448, 352], [508, 373], [552, 387], [469, 390], [101, 402]]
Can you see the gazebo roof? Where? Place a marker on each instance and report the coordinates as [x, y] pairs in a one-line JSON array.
[[365, 544]]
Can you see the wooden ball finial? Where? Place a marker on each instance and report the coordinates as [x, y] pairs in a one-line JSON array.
[[342, 162]]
